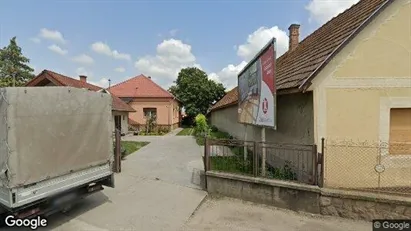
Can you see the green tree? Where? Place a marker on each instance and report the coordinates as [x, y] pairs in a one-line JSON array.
[[196, 91], [14, 69]]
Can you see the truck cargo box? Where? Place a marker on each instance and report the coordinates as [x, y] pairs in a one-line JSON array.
[[50, 132]]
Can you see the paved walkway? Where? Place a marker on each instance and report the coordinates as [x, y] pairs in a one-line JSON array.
[[154, 191], [221, 214]]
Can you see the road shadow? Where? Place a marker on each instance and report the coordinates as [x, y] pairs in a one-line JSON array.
[[79, 208], [89, 203]]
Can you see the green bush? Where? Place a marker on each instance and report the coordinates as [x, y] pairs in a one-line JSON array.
[[213, 128], [151, 123], [201, 128], [284, 173]]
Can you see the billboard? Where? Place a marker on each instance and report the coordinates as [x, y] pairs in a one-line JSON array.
[[257, 90]]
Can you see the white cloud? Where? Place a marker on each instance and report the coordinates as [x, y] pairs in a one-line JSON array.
[[173, 32], [57, 49], [103, 48], [120, 69], [35, 40], [322, 11], [172, 55], [53, 35], [255, 41], [124, 56], [103, 82], [83, 71], [83, 59], [228, 75], [261, 37]]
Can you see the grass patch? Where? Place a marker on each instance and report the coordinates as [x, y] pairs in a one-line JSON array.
[[186, 132], [214, 135], [152, 133], [129, 147], [231, 164], [236, 164]]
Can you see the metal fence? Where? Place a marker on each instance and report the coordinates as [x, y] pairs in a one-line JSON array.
[[354, 165], [291, 162], [366, 166]]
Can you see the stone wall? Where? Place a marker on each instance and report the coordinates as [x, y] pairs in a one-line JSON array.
[[364, 206], [311, 199]]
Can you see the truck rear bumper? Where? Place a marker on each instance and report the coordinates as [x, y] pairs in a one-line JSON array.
[[18, 197]]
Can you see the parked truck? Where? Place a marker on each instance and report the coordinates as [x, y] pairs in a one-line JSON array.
[[56, 147]]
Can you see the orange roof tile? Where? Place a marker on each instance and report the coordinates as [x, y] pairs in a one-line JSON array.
[[140, 86], [229, 99], [295, 69], [62, 80]]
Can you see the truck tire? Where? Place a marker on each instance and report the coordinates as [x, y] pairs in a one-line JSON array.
[[3, 220]]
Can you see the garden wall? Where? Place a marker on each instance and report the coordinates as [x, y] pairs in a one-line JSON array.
[[311, 199]]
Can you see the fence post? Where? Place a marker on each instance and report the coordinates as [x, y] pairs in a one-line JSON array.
[[118, 151], [206, 154], [315, 165], [255, 159], [321, 181]]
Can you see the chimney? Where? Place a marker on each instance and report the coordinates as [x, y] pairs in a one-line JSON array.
[[294, 34], [83, 78]]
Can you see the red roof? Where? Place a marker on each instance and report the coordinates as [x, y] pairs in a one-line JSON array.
[[62, 80], [297, 68], [229, 99], [139, 87]]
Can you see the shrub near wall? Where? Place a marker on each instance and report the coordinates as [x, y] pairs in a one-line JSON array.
[[201, 128]]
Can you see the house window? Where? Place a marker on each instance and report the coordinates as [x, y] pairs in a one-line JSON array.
[[400, 131], [148, 112]]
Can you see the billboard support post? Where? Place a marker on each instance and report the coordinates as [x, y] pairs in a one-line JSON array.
[[263, 158]]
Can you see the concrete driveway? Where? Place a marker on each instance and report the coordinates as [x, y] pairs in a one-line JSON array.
[[154, 191]]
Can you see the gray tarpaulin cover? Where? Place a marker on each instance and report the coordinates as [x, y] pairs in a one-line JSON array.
[[50, 131]]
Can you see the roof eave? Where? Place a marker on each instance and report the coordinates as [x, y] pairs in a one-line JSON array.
[[121, 110], [224, 106], [279, 92], [308, 81]]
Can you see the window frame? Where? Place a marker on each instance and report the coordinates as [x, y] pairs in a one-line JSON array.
[[150, 109], [386, 104]]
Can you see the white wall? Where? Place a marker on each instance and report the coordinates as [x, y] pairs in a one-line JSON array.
[[124, 121]]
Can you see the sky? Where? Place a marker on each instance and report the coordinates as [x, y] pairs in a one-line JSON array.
[[120, 39]]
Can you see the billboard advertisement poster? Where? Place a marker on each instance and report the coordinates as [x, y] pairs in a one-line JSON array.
[[257, 90]]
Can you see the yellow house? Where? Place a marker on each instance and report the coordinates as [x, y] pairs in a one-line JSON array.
[[362, 103], [349, 82]]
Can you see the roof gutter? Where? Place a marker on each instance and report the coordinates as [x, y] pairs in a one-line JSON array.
[[308, 81]]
